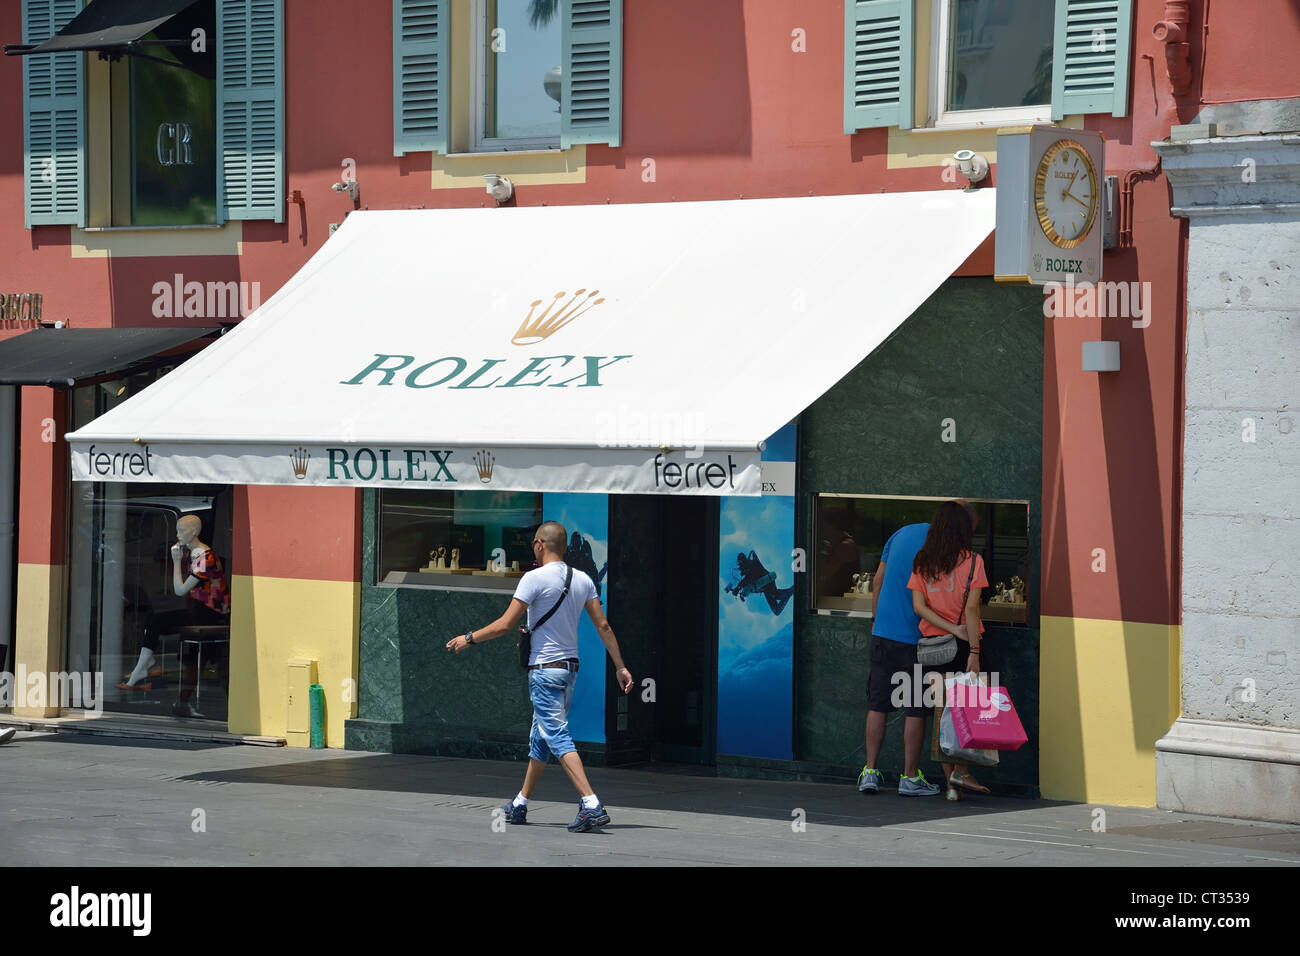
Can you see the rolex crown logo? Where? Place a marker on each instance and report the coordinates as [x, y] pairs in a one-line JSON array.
[[484, 461], [299, 459], [534, 330]]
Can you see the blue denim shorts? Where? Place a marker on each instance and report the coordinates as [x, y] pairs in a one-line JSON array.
[[551, 691]]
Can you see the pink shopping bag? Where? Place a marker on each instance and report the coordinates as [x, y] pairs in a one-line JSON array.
[[985, 719]]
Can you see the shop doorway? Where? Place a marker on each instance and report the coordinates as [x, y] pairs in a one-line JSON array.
[[686, 645]]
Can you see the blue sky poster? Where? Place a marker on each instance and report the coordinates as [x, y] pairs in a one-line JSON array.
[[756, 620], [587, 518]]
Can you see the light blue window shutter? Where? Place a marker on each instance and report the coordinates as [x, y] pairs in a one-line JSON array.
[[54, 120], [1090, 62], [878, 40], [421, 58], [250, 109], [591, 99]]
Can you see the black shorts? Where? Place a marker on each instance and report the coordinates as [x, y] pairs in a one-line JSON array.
[[894, 679]]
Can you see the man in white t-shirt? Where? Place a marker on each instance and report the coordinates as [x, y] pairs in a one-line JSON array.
[[553, 667]]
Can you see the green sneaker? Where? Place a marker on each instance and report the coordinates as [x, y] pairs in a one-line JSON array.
[[917, 786], [868, 781]]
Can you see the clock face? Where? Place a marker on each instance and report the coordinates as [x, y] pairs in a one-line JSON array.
[[1066, 194]]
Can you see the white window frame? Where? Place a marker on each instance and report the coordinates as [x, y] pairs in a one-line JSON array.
[[940, 70], [478, 66]]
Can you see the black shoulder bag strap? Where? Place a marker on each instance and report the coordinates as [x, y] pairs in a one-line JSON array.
[[961, 612], [568, 579], [526, 633]]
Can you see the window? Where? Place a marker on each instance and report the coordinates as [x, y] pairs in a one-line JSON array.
[[852, 531], [119, 139], [516, 76], [992, 62], [542, 74], [162, 129], [465, 539]]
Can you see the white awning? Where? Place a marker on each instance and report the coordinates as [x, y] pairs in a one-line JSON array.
[[643, 348]]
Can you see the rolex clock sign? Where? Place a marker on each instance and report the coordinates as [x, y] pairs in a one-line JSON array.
[[1049, 206]]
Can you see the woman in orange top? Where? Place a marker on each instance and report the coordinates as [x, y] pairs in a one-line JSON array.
[[941, 598]]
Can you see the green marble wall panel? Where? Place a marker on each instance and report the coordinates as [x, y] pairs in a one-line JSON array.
[[972, 353], [407, 676]]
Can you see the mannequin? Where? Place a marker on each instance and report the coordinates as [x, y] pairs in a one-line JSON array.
[[142, 677], [199, 575], [208, 589]]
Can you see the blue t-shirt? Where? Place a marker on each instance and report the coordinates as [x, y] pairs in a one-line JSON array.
[[895, 618]]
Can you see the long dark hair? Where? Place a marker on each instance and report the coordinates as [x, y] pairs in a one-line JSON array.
[[950, 535]]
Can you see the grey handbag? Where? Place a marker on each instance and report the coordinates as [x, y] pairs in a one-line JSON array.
[[936, 651]]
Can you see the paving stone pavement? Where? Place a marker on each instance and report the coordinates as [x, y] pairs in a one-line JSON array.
[[75, 800]]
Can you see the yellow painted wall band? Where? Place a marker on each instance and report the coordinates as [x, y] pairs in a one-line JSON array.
[[274, 620], [1106, 692]]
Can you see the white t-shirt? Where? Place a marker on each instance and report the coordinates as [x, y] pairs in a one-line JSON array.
[[540, 589]]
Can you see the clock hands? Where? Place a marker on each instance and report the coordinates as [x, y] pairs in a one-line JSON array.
[[1067, 194], [1070, 195]]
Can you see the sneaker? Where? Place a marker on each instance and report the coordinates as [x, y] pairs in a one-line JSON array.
[[868, 781], [589, 819], [917, 786], [7, 734], [514, 814], [156, 672]]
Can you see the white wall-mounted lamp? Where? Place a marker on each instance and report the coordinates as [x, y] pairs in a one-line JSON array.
[[971, 165], [499, 187]]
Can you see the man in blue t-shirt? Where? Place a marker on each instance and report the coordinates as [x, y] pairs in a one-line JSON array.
[[894, 632]]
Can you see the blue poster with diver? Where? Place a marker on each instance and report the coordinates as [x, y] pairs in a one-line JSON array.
[[749, 577], [755, 614], [586, 518]]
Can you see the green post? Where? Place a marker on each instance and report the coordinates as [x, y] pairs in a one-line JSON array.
[[317, 716]]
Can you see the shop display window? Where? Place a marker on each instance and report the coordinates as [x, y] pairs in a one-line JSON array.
[[852, 530], [456, 539], [158, 652]]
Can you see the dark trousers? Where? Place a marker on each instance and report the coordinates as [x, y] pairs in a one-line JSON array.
[[193, 615]]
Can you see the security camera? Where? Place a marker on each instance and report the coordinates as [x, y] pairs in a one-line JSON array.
[[971, 165], [499, 187], [351, 187]]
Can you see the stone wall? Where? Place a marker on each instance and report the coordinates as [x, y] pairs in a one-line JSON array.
[[1241, 491], [1235, 751]]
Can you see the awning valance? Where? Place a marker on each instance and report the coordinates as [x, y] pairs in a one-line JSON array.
[[644, 348], [66, 357]]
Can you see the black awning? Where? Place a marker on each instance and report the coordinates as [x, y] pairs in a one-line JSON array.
[[64, 357], [112, 26]]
